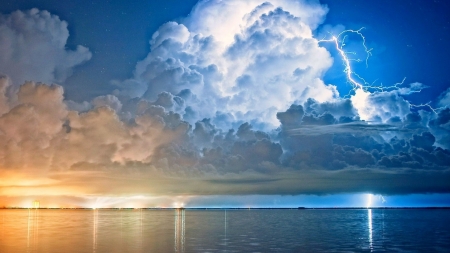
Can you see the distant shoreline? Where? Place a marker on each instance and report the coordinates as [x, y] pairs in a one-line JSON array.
[[230, 208]]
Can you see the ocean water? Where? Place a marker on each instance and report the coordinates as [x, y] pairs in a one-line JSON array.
[[405, 230]]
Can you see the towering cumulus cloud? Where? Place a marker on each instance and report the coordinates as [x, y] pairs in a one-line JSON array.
[[228, 56], [230, 100], [33, 47]]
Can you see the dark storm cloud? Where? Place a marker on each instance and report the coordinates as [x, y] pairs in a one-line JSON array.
[[309, 153], [402, 181], [440, 126], [339, 108], [354, 127]]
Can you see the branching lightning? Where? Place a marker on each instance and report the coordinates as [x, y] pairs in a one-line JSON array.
[[340, 44], [427, 105], [359, 82]]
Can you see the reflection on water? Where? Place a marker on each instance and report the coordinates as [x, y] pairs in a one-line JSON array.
[[33, 229], [369, 218], [94, 230], [183, 230], [141, 228], [179, 230], [225, 225]]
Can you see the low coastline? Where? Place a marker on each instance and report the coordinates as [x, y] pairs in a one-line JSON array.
[[229, 208]]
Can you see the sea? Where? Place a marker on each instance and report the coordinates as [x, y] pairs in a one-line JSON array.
[[222, 230]]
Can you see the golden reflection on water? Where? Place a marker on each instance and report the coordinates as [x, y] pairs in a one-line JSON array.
[[179, 230], [94, 230], [32, 230], [141, 217]]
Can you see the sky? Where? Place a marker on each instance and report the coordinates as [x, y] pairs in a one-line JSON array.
[[224, 103]]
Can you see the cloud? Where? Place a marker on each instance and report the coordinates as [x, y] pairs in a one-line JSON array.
[[440, 126], [354, 128], [337, 107], [28, 128], [108, 101], [230, 55], [155, 151], [292, 117], [444, 98], [33, 47], [4, 84], [380, 106], [39, 132], [402, 181], [230, 100]]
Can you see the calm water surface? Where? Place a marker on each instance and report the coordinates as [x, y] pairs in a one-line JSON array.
[[224, 231]]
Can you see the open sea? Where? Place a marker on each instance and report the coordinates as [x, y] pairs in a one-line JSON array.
[[142, 230]]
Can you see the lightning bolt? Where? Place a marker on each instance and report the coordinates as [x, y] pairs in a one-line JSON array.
[[359, 82], [427, 105], [346, 60]]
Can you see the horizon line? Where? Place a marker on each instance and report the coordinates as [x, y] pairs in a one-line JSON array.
[[221, 208]]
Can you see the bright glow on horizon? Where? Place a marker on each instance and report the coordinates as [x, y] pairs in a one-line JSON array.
[[355, 200], [369, 200], [178, 204]]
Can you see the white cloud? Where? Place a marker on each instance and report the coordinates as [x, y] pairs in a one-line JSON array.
[[248, 59], [33, 47], [109, 101], [170, 30], [380, 106], [444, 99]]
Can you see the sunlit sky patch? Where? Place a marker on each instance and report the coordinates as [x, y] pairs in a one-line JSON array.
[[230, 103]]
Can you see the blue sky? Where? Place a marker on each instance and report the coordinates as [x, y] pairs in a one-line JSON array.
[[232, 98]]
